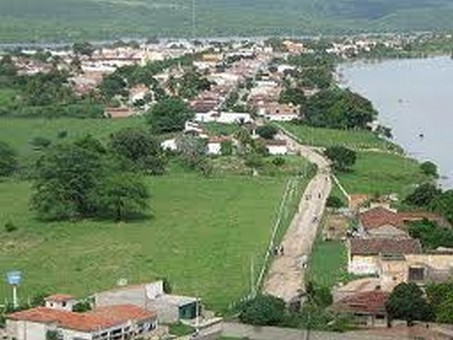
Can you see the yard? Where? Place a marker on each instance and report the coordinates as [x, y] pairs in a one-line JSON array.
[[357, 140], [382, 173], [202, 236]]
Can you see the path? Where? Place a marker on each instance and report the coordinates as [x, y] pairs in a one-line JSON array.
[[285, 278], [240, 331]]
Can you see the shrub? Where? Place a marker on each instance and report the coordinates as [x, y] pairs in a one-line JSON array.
[[334, 202], [279, 161], [10, 227], [263, 310]]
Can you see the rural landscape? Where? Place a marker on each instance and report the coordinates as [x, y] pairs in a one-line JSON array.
[[163, 178]]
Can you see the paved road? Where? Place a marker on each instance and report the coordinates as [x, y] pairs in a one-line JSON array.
[[285, 278], [272, 333]]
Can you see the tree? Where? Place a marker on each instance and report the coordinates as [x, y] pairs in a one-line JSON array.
[[443, 204], [113, 85], [440, 296], [263, 310], [423, 195], [334, 202], [192, 150], [406, 302], [140, 147], [40, 143], [81, 307], [65, 179], [169, 115], [83, 48], [342, 158], [121, 194], [431, 235], [267, 131], [295, 96], [429, 169], [226, 148], [8, 160]]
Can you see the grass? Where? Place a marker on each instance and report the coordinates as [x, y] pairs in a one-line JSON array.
[[221, 128], [329, 263], [356, 140], [179, 329], [201, 236], [381, 173], [18, 132]]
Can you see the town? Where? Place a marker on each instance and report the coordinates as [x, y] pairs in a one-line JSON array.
[[256, 152]]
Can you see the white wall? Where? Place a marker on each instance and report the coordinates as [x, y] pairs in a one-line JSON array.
[[233, 117], [277, 149], [25, 330], [363, 265], [214, 148], [282, 117], [205, 117]]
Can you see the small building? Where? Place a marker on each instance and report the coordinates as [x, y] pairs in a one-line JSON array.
[[367, 308], [170, 308], [60, 301], [234, 117], [169, 145], [276, 112], [277, 147], [214, 145], [112, 322], [118, 112]]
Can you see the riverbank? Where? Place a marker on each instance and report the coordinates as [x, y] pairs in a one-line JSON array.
[[413, 98]]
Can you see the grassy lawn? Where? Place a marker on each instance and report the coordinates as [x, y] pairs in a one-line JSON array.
[[18, 132], [201, 236], [329, 263], [381, 173], [221, 128], [357, 140]]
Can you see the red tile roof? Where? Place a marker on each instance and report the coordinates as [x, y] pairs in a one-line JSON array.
[[59, 297], [379, 216], [384, 246], [367, 302], [95, 320]]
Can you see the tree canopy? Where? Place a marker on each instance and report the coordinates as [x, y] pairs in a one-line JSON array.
[[267, 131], [406, 302], [263, 310], [169, 115], [342, 158], [8, 159], [423, 195]]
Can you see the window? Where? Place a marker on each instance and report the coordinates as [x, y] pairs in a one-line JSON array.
[[416, 274], [63, 303]]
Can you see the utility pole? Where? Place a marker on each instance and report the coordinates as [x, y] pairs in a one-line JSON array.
[[252, 279]]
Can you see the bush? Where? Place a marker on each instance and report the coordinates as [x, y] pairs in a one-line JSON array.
[[82, 307], [279, 161], [429, 169], [267, 131], [334, 202], [10, 227], [263, 310], [40, 143]]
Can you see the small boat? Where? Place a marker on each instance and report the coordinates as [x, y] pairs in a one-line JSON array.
[[421, 135]]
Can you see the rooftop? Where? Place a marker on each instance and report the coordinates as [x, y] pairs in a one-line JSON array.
[[367, 302], [384, 246], [98, 319], [59, 298]]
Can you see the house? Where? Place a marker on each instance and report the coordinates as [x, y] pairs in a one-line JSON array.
[[205, 110], [382, 222], [214, 144], [277, 147], [367, 308], [281, 112], [60, 301], [234, 117], [169, 145], [364, 254], [112, 322], [118, 112], [151, 296]]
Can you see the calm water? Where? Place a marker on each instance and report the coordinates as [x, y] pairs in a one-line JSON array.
[[413, 97]]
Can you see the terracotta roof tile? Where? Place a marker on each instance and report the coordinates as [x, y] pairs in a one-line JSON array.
[[377, 217], [384, 246], [59, 297], [97, 319], [367, 302]]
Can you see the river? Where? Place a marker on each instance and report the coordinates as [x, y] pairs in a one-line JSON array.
[[415, 98]]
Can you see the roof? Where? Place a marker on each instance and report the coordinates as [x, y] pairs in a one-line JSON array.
[[384, 246], [177, 300], [96, 320], [366, 302], [59, 297], [379, 216], [275, 142]]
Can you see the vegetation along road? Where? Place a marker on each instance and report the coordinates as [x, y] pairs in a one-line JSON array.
[[286, 275]]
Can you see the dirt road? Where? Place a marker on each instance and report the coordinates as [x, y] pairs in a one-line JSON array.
[[285, 278]]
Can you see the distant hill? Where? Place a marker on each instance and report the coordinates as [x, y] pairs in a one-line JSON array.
[[33, 20]]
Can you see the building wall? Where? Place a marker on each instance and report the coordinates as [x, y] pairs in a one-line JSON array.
[[214, 148], [23, 330], [205, 117], [277, 149], [363, 265], [229, 118], [166, 312], [282, 117], [69, 334]]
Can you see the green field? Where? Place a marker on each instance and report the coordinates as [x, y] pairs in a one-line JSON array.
[[18, 132], [202, 235], [357, 140], [382, 173]]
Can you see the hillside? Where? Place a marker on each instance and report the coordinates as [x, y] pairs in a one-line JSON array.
[[54, 20]]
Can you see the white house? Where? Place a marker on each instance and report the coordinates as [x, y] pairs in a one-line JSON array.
[[277, 147], [60, 301], [234, 117], [215, 144], [169, 145], [112, 322]]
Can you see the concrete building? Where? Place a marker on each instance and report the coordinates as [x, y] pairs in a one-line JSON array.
[[277, 147], [151, 296], [60, 301], [105, 323]]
